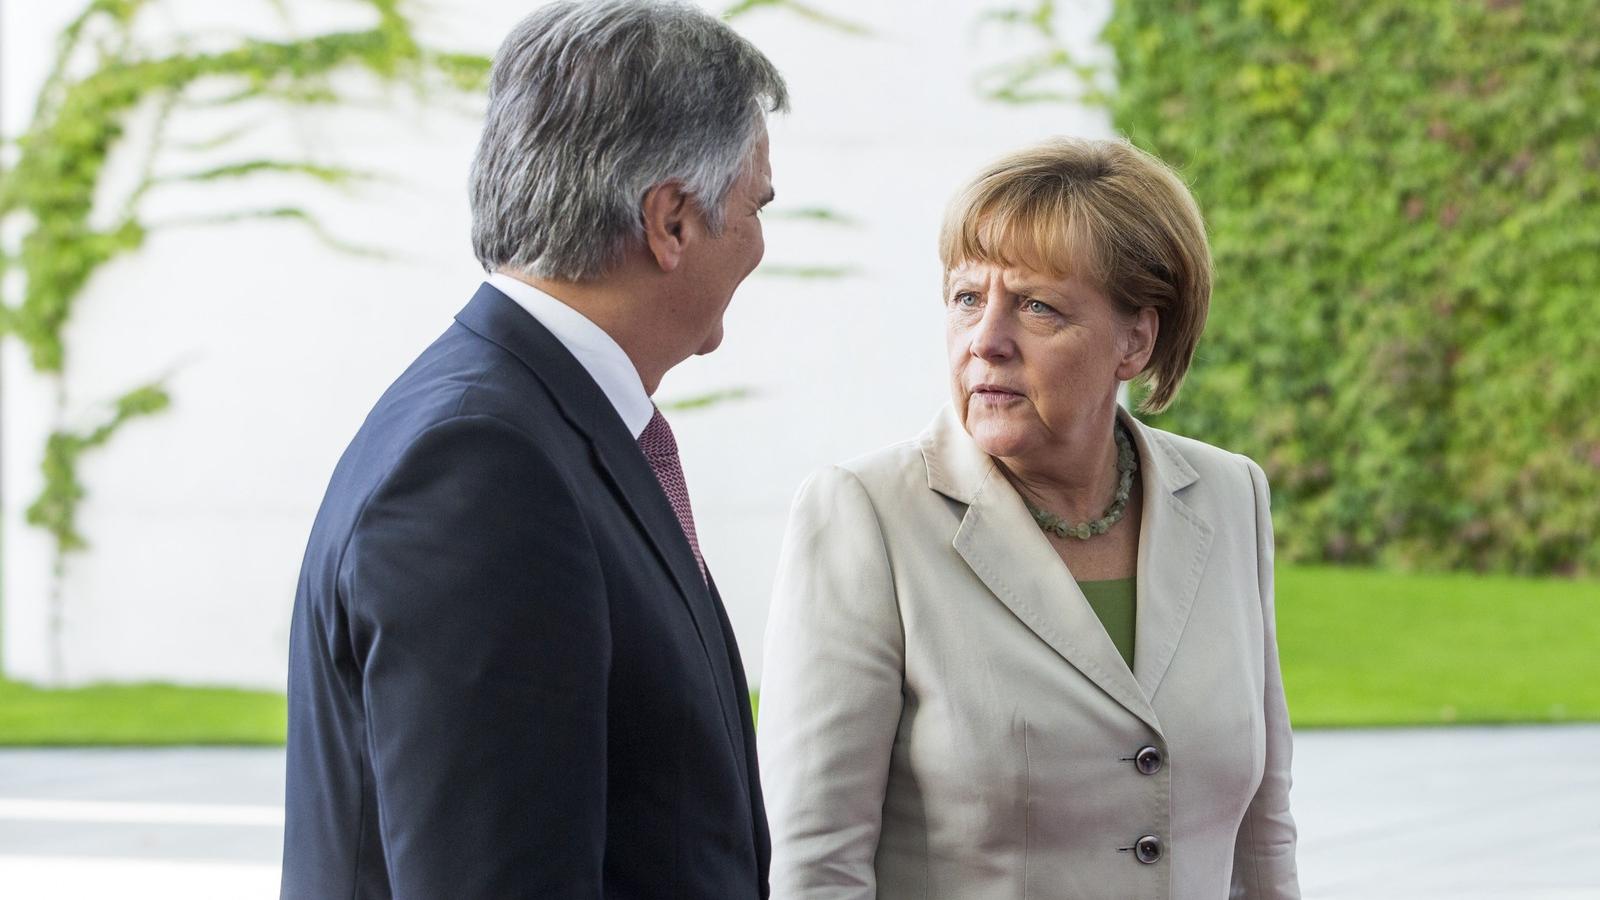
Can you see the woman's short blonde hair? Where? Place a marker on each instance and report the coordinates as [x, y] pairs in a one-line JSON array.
[[1105, 211]]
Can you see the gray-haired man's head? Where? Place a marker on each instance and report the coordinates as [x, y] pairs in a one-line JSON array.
[[593, 103]]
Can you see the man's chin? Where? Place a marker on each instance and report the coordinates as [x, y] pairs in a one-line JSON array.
[[712, 342]]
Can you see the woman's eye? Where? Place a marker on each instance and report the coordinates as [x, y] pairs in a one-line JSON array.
[[966, 300], [1034, 306]]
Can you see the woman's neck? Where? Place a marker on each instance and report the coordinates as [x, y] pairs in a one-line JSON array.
[[1074, 477]]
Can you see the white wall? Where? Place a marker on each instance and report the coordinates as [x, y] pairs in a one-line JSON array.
[[277, 346]]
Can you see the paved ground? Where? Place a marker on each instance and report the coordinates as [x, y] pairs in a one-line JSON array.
[[1450, 812], [1461, 813]]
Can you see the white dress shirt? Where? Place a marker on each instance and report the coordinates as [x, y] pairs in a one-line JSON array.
[[595, 350]]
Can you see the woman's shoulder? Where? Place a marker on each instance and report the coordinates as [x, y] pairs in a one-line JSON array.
[[1209, 463], [873, 490], [887, 465], [896, 479], [883, 472]]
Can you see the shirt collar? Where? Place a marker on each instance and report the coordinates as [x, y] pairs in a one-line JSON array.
[[596, 351]]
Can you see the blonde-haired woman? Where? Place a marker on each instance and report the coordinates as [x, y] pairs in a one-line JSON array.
[[1031, 653]]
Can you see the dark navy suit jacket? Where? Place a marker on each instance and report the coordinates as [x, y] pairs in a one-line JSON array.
[[507, 676]]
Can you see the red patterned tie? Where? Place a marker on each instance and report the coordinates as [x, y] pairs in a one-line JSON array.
[[661, 449]]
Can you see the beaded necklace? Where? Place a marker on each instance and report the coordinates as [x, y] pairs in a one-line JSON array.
[[1127, 466]]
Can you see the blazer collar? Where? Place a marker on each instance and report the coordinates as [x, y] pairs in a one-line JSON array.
[[1005, 548], [498, 319]]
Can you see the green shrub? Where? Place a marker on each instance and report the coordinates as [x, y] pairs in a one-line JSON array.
[[1404, 205]]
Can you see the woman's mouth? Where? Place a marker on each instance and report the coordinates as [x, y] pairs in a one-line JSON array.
[[994, 393]]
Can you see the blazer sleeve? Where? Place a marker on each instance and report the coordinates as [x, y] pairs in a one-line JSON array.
[[480, 628], [831, 693], [1264, 851]]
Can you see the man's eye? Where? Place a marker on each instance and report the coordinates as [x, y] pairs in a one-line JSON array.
[[967, 300], [1036, 307]]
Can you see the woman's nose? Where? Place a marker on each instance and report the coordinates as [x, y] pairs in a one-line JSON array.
[[991, 337]]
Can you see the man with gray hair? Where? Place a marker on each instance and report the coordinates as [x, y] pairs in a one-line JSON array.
[[511, 674]]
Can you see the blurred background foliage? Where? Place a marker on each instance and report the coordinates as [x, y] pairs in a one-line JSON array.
[[1404, 206]]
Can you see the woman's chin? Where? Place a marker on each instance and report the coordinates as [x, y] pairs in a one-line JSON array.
[[996, 435]]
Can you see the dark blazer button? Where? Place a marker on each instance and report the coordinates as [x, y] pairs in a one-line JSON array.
[[1148, 760], [1147, 849]]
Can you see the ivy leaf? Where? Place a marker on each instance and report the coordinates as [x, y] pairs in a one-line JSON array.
[[708, 399], [803, 10], [334, 175]]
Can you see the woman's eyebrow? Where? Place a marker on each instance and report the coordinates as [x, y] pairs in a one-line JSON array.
[[1035, 289]]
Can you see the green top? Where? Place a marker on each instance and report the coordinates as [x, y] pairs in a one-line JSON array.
[[1114, 602]]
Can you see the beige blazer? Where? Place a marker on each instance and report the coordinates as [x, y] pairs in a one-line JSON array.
[[943, 716]]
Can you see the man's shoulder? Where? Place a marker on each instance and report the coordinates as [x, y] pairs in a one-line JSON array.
[[460, 380], [462, 373]]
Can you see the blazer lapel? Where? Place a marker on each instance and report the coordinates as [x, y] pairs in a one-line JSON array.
[[498, 319], [1174, 543], [999, 540], [746, 745], [634, 481]]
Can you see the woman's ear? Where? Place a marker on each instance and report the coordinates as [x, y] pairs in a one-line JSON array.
[[665, 214], [1139, 342]]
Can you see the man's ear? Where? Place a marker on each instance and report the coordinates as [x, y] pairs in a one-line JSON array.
[[665, 212], [1141, 343]]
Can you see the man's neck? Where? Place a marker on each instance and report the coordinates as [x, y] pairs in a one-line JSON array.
[[620, 313]]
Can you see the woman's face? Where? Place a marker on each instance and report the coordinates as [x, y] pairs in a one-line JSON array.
[[1035, 361]]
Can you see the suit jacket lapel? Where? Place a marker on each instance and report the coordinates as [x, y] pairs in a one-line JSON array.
[[1006, 550], [498, 319], [630, 473], [746, 746], [1174, 544]]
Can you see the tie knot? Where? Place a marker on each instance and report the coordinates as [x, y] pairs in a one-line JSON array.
[[656, 440]]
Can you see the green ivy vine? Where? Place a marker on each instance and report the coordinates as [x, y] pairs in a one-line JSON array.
[[805, 11], [102, 74], [1045, 70], [56, 508]]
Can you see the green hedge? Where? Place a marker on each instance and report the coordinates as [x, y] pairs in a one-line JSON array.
[[1404, 204]]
